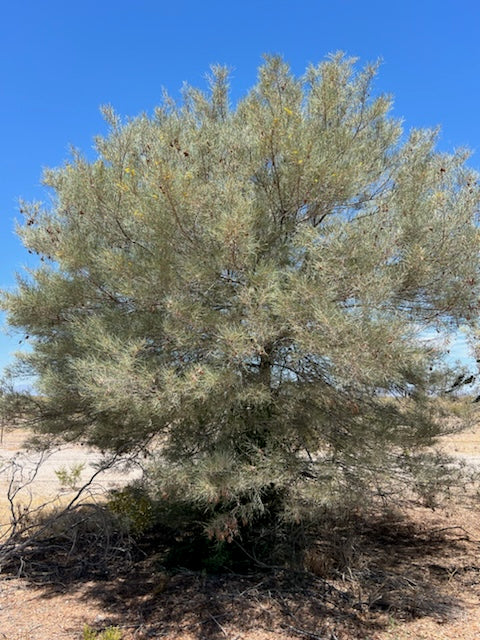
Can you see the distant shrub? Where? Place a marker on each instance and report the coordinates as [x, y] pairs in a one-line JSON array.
[[69, 478]]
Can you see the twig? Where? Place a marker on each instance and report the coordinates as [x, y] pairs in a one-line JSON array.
[[304, 632], [255, 586], [441, 529], [259, 563], [219, 625]]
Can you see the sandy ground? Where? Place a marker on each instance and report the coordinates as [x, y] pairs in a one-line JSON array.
[[41, 479], [465, 445]]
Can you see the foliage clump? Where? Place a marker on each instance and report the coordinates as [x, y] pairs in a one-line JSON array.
[[134, 507], [110, 633], [244, 291], [70, 477]]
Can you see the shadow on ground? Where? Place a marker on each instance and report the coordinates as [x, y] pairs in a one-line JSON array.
[[359, 579]]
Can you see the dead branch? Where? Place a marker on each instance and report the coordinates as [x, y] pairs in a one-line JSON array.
[[35, 532]]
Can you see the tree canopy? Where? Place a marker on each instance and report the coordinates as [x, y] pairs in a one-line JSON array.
[[244, 289]]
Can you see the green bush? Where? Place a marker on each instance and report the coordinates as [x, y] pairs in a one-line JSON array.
[[110, 633], [69, 478], [135, 507]]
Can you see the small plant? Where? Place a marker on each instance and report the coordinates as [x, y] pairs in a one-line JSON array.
[[110, 633], [69, 478]]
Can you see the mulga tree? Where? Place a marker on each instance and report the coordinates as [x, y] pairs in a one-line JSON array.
[[244, 290]]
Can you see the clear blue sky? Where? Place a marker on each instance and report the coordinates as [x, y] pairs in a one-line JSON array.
[[61, 60]]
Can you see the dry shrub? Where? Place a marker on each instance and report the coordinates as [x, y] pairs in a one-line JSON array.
[[85, 540]]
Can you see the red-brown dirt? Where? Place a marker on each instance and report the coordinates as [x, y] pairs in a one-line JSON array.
[[417, 580]]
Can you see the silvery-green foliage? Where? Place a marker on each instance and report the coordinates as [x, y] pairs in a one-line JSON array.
[[247, 286]]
